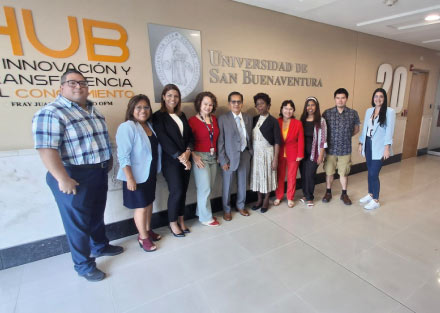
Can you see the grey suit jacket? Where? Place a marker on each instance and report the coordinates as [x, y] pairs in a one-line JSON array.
[[228, 143]]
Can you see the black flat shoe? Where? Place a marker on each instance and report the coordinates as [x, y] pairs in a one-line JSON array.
[[186, 231], [182, 234], [264, 210], [256, 207]]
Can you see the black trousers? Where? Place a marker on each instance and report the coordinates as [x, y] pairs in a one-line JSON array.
[[308, 170], [178, 180]]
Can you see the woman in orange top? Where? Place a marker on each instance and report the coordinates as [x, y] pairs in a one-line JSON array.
[[291, 152]]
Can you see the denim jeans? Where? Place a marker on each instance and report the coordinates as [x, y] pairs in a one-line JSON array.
[[374, 167], [205, 178]]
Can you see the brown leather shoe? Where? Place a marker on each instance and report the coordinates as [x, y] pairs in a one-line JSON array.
[[227, 216], [243, 212], [345, 199], [327, 197]]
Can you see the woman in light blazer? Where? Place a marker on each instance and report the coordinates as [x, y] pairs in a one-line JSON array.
[[139, 159], [375, 143]]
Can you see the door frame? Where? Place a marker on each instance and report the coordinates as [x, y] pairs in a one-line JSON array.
[[420, 71]]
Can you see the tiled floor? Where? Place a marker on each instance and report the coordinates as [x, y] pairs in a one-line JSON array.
[[331, 258]]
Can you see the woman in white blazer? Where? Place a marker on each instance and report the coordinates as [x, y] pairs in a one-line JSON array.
[[139, 162], [375, 143]]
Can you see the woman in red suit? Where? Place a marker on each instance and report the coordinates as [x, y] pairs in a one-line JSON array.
[[291, 152]]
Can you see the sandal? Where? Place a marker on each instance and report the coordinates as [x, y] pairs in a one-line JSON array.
[[146, 244], [154, 236], [277, 202], [303, 199], [290, 203], [310, 203]]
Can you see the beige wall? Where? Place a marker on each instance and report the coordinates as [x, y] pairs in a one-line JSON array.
[[342, 58]]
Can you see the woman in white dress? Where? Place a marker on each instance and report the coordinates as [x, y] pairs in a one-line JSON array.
[[266, 143]]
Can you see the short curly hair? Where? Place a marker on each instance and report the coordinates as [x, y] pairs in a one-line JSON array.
[[199, 98], [263, 96]]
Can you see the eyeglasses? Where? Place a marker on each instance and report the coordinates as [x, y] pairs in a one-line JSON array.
[[140, 108], [236, 102], [74, 83]]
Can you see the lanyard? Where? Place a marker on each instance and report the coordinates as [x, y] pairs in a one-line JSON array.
[[372, 123], [210, 130]]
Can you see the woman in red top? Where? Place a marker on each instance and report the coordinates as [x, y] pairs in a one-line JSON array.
[[291, 152], [205, 130]]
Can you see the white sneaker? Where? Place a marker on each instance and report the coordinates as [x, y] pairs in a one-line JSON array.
[[372, 205], [366, 199]]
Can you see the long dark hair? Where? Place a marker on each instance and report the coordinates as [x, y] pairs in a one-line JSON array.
[[167, 88], [316, 115], [383, 108]]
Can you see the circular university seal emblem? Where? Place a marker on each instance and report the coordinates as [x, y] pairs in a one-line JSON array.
[[176, 62]]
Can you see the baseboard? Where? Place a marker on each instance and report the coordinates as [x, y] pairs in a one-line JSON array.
[[41, 249], [422, 151]]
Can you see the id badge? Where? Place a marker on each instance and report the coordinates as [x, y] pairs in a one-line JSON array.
[[212, 151]]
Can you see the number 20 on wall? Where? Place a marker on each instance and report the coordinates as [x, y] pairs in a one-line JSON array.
[[385, 76]]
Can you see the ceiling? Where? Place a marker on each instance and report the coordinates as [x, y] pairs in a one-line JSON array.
[[403, 21]]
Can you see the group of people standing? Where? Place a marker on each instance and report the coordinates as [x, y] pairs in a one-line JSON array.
[[72, 139]]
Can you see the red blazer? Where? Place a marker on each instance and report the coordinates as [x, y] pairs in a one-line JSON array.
[[294, 143]]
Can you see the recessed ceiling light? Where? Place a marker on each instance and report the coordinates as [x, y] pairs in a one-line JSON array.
[[417, 25], [432, 17], [391, 17], [432, 40]]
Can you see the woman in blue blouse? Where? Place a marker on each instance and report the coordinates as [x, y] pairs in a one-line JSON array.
[[375, 143], [139, 160]]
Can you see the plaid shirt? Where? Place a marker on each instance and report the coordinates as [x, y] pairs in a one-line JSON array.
[[81, 137], [340, 127]]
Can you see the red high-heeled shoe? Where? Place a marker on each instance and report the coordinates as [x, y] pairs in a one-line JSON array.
[[146, 244], [154, 236]]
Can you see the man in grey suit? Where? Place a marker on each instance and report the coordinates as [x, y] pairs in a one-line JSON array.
[[234, 147]]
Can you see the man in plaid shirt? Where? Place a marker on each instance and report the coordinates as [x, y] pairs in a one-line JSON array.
[[72, 139]]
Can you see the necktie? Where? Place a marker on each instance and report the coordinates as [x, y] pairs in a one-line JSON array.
[[242, 136]]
